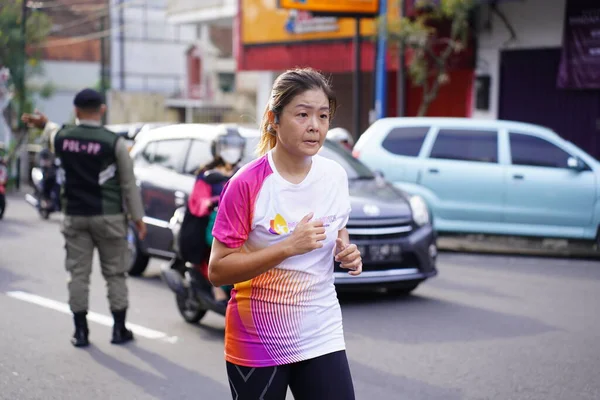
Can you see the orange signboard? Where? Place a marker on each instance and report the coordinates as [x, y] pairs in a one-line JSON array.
[[352, 7], [263, 22]]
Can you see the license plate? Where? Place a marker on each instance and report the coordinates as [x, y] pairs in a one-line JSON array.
[[380, 252]]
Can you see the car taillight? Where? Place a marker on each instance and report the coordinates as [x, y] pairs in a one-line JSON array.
[[355, 154]]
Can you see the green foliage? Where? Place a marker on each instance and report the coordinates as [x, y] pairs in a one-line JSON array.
[[430, 52], [11, 42]]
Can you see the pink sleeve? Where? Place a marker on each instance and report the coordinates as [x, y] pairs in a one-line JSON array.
[[234, 217], [236, 206], [200, 198]]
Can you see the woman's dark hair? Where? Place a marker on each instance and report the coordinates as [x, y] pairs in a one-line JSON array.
[[216, 162], [287, 86]]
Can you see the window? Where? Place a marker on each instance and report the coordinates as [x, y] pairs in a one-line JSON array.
[[406, 141], [227, 82], [466, 145], [354, 168], [146, 156], [198, 156], [535, 151], [170, 154]]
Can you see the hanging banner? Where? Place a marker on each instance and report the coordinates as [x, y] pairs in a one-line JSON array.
[[580, 61], [365, 8], [264, 23]]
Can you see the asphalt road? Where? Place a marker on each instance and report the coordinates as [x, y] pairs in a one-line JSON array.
[[488, 327]]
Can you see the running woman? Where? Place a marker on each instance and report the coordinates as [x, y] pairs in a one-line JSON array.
[[280, 224]]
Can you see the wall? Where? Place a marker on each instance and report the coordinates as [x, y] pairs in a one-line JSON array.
[[154, 50], [538, 24], [125, 107], [68, 78]]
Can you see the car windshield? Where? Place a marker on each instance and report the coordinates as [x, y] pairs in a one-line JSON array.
[[355, 169]]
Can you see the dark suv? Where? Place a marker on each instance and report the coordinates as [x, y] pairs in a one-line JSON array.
[[392, 230]]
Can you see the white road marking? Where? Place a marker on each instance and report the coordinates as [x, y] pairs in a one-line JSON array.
[[91, 316]]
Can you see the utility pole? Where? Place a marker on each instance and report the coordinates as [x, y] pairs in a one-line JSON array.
[[357, 79], [22, 90], [22, 94], [401, 76], [103, 61]]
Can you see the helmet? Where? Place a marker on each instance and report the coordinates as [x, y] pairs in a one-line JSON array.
[[229, 144], [341, 136]]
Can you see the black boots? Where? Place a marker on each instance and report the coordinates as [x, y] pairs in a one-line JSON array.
[[80, 337], [120, 333]]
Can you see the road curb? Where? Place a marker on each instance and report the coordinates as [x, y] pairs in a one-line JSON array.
[[519, 246]]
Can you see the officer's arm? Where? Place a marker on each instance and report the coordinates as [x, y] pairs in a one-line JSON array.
[[129, 189], [49, 134]]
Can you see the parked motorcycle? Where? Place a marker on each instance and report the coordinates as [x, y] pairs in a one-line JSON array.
[[47, 180], [193, 291]]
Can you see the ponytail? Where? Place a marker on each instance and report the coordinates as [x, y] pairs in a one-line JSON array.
[[268, 136]]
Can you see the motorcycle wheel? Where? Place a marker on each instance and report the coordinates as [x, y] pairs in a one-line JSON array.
[[189, 310], [45, 214]]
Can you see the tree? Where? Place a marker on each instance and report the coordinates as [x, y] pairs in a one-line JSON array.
[[11, 46], [430, 49]]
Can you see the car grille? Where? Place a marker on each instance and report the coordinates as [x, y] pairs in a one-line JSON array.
[[377, 230], [374, 232]]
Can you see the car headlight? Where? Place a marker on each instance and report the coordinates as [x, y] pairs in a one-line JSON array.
[[419, 209]]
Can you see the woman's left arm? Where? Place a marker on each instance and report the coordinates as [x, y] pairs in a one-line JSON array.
[[347, 254]]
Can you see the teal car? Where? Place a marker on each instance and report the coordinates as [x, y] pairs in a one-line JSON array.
[[489, 176]]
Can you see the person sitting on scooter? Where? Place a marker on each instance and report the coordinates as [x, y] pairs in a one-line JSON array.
[[227, 149]]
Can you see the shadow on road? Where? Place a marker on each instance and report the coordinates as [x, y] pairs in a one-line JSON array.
[[371, 383], [175, 382], [9, 279], [479, 289], [417, 319], [12, 226]]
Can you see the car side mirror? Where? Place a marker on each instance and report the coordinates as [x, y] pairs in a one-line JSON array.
[[575, 163]]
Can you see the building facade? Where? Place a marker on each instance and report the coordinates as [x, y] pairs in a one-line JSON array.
[[518, 68], [145, 58], [232, 93]]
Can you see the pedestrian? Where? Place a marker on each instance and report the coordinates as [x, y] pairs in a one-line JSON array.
[[281, 222], [99, 179]]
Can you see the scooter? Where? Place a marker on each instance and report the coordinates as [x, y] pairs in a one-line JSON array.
[[193, 291], [46, 204]]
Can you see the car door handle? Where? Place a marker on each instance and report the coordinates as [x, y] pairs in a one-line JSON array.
[[518, 177], [433, 170]]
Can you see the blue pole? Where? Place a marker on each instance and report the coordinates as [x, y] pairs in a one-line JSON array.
[[381, 67]]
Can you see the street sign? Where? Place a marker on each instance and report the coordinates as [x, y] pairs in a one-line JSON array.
[[339, 8]]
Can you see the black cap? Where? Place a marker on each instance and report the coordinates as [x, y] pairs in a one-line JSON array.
[[88, 98]]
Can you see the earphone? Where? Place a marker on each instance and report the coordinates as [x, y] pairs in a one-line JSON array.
[[270, 128]]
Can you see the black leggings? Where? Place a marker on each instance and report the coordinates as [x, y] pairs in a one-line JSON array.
[[322, 378]]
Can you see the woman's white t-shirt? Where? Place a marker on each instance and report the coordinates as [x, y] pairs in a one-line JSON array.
[[290, 313]]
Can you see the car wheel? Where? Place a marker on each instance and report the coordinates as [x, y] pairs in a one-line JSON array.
[[405, 290], [138, 261]]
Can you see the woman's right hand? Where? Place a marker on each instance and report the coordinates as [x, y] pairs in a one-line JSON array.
[[307, 236]]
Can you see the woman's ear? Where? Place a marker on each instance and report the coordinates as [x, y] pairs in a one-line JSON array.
[[273, 119]]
